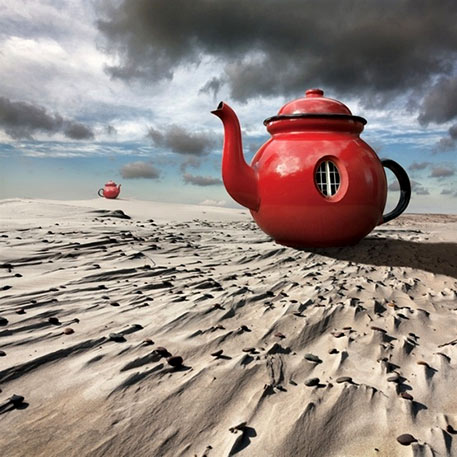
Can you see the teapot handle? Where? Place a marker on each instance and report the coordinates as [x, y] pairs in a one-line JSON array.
[[405, 189], [100, 194]]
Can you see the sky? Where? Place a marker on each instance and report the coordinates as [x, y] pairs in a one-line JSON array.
[[98, 90]]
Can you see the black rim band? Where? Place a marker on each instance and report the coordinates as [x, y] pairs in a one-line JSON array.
[[343, 117]]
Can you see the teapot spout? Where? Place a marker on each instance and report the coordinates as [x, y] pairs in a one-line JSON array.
[[239, 178]]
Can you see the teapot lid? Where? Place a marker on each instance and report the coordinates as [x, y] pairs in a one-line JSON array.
[[110, 183], [315, 105]]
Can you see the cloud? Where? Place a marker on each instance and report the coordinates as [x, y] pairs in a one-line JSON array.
[[440, 103], [180, 141], [210, 202], [415, 187], [77, 131], [110, 130], [20, 120], [376, 51], [448, 143], [419, 165], [444, 144], [213, 86], [136, 170], [422, 191], [201, 180], [190, 161], [453, 132], [442, 172], [447, 192]]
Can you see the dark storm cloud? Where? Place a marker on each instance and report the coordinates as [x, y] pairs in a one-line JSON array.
[[136, 170], [20, 120], [77, 131], [179, 140], [440, 103], [453, 132], [213, 86], [373, 50], [442, 172], [201, 180]]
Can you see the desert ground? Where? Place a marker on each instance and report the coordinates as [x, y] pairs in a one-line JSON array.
[[134, 328]]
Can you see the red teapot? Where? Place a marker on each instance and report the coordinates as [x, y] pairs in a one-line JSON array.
[[315, 182], [111, 190]]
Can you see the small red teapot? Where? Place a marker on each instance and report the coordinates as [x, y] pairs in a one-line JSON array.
[[315, 182], [111, 190]]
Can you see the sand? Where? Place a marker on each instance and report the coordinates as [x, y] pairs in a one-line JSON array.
[[311, 353]]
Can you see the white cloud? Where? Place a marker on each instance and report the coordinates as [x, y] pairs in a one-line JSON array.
[[210, 202]]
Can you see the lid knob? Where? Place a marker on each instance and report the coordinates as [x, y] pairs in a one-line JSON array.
[[314, 93]]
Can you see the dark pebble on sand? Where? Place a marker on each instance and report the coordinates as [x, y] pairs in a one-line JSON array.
[[338, 334], [54, 321], [18, 275], [114, 303], [217, 353], [175, 361], [3, 321], [378, 329], [162, 351], [343, 379], [241, 426], [6, 287], [406, 396], [68, 331], [406, 439], [450, 429], [2, 353], [248, 349], [244, 328], [148, 341], [117, 337], [394, 378], [279, 335], [16, 400], [333, 351], [312, 382], [313, 358]]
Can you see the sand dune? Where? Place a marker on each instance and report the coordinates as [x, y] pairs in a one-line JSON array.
[[276, 352]]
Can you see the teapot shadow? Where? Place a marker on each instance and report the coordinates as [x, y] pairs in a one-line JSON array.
[[436, 258]]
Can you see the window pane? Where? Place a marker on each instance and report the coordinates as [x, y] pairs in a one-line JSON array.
[[327, 178]]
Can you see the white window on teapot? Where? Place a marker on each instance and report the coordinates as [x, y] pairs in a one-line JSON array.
[[327, 178]]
